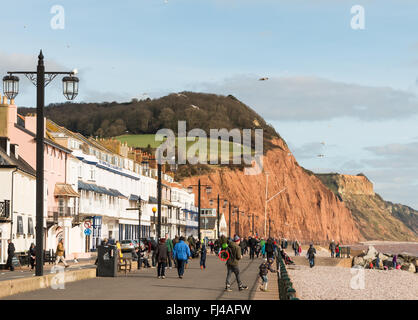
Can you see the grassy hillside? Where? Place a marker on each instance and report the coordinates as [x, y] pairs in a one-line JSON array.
[[199, 110]]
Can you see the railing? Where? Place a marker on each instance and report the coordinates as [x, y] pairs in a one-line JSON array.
[[286, 290], [5, 209]]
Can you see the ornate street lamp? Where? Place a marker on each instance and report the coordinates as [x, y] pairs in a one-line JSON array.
[[208, 191], [40, 78], [11, 86], [70, 87]]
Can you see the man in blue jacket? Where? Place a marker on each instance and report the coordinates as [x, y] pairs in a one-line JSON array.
[[181, 254]]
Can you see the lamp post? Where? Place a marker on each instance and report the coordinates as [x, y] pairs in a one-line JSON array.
[[208, 191], [40, 78], [267, 201], [139, 208], [218, 215], [238, 214]]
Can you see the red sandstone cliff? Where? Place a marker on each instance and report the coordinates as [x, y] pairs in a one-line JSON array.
[[306, 210]]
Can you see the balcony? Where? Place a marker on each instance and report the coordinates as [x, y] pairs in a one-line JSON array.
[[5, 210], [55, 213]]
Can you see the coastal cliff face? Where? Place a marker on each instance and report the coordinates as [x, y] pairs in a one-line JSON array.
[[307, 210], [376, 218]]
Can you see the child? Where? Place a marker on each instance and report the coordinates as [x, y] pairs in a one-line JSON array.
[[264, 269]]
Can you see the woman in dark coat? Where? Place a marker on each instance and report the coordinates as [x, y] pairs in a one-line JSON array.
[[161, 255], [32, 256], [311, 255]]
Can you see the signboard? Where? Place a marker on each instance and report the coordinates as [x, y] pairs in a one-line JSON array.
[[87, 224], [87, 232]]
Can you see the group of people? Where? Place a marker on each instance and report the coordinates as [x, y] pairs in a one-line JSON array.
[[59, 255]]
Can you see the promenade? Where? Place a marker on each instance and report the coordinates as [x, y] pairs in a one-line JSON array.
[[143, 284]]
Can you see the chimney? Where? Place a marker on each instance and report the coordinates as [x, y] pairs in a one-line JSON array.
[[5, 145], [14, 150]]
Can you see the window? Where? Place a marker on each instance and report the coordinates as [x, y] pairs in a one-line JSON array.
[[92, 174], [80, 171], [19, 225], [30, 226]]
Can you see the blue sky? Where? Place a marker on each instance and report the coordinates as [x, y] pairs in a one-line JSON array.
[[355, 90]]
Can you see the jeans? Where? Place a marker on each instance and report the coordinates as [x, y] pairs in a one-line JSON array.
[[60, 258], [252, 252], [161, 269], [203, 261], [169, 259], [264, 279], [235, 270], [154, 259], [180, 266], [332, 253], [311, 262]]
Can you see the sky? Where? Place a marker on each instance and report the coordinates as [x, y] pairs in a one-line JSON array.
[[348, 94]]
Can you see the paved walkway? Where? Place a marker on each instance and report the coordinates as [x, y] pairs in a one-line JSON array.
[[25, 271], [196, 284]]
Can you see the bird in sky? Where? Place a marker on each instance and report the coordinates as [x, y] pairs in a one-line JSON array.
[[263, 79], [323, 143], [320, 156]]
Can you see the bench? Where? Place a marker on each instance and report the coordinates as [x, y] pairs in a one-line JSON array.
[[125, 262]]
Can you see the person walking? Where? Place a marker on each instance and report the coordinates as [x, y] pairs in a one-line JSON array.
[[262, 243], [161, 254], [169, 244], [311, 255], [395, 261], [332, 248], [295, 247], [181, 253], [253, 243], [32, 256], [268, 248], [10, 254], [60, 254], [264, 268], [232, 264], [203, 255], [337, 250]]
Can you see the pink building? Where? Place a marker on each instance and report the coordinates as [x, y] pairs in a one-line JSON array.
[[60, 197]]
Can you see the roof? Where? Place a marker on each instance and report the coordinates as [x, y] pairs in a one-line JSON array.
[[11, 162], [98, 189], [63, 189], [133, 197]]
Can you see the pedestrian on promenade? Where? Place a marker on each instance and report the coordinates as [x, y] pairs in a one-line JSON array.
[[181, 253], [119, 251], [211, 245], [32, 256], [10, 254], [161, 253], [264, 268], [300, 248], [295, 247], [60, 254], [337, 250], [252, 243], [169, 244], [311, 255], [263, 249], [153, 245], [332, 248], [203, 255], [232, 264], [268, 248]]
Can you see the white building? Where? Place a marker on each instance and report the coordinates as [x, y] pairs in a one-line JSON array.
[[17, 200]]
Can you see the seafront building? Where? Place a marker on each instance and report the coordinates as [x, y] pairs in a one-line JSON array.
[[99, 181]]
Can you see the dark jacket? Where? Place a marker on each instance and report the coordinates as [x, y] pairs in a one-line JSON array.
[[161, 252], [264, 268], [234, 254], [311, 253], [269, 247], [11, 249], [253, 242]]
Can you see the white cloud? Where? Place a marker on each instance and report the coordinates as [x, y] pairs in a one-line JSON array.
[[302, 98]]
